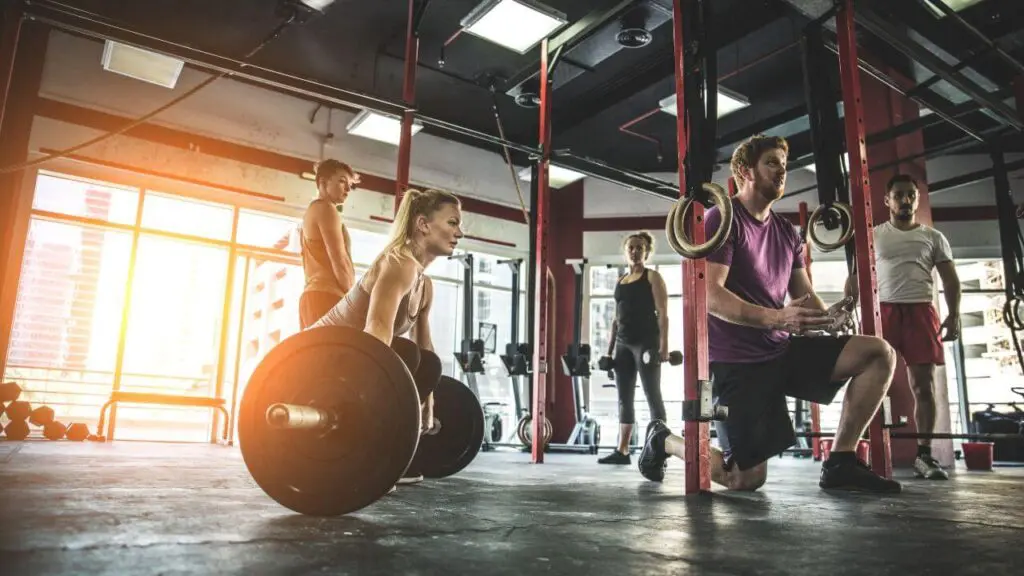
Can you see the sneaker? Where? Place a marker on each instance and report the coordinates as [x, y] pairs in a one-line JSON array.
[[928, 468], [855, 476], [615, 457], [413, 479], [653, 456]]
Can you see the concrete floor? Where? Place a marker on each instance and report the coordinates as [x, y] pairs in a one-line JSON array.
[[139, 508]]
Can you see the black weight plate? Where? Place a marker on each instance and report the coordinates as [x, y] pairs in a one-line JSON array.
[[335, 472], [462, 432], [428, 373]]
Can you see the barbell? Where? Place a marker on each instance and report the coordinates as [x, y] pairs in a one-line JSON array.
[[330, 421]]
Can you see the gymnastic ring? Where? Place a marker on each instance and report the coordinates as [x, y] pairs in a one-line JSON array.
[[818, 214], [675, 224], [1013, 315]]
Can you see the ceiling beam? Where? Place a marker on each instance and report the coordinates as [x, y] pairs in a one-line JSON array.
[[745, 19]]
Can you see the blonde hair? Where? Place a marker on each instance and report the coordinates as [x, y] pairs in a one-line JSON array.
[[746, 155], [416, 203], [645, 237]]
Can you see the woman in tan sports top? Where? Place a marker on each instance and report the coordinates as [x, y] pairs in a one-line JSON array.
[[325, 243], [394, 296]]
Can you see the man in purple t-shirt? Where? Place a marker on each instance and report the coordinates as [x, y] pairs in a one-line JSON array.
[[757, 347]]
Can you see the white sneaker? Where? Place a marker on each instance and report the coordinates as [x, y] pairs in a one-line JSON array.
[[411, 479], [928, 468]]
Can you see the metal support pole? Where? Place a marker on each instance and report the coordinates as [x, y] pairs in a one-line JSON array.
[[815, 410], [959, 363], [540, 335], [412, 54], [860, 188], [225, 327], [695, 335]]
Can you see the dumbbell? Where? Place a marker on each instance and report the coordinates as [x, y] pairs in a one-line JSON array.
[[675, 358], [44, 417], [16, 430], [18, 410], [78, 432], [9, 392], [606, 364]]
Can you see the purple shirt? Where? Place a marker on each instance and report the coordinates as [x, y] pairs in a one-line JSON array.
[[761, 257]]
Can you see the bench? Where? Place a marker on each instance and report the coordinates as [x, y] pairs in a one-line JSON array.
[[120, 396]]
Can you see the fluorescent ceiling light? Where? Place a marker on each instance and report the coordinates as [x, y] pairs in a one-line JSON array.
[[379, 127], [956, 5], [141, 64], [318, 5], [557, 176], [728, 102], [515, 24], [846, 160]]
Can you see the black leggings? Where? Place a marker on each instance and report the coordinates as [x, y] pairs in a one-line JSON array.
[[627, 363]]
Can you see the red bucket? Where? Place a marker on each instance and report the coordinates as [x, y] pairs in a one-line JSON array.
[[864, 451], [978, 455]]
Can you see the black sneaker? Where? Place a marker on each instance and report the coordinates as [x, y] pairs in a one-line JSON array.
[[615, 457], [855, 476], [653, 456]]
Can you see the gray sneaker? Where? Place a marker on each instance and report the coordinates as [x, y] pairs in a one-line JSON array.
[[928, 468]]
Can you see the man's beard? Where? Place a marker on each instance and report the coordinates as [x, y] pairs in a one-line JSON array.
[[904, 214], [769, 191]]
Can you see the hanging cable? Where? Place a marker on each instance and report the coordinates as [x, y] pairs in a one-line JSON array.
[[508, 155]]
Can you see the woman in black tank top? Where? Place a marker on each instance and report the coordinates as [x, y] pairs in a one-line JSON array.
[[640, 326]]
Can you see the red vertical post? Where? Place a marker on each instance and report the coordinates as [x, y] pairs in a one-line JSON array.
[[412, 55], [540, 325], [695, 327], [863, 221], [814, 408]]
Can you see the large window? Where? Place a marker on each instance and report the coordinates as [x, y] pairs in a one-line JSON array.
[[991, 367], [129, 288]]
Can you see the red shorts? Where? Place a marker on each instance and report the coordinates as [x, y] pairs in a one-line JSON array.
[[914, 331]]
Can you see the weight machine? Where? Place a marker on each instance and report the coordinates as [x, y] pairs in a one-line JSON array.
[[586, 434], [470, 356], [517, 361]]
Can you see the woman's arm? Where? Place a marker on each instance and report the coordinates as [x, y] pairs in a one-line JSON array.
[[394, 281], [336, 242], [421, 329], [661, 305]]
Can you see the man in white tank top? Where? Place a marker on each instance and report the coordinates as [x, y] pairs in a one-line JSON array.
[[906, 255]]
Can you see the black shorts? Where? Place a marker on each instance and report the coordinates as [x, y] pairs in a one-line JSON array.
[[759, 425]]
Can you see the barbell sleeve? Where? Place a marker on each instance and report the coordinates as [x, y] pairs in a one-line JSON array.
[[298, 417]]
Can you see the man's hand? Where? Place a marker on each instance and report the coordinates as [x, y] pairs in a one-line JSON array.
[[796, 319], [950, 328], [664, 355]]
